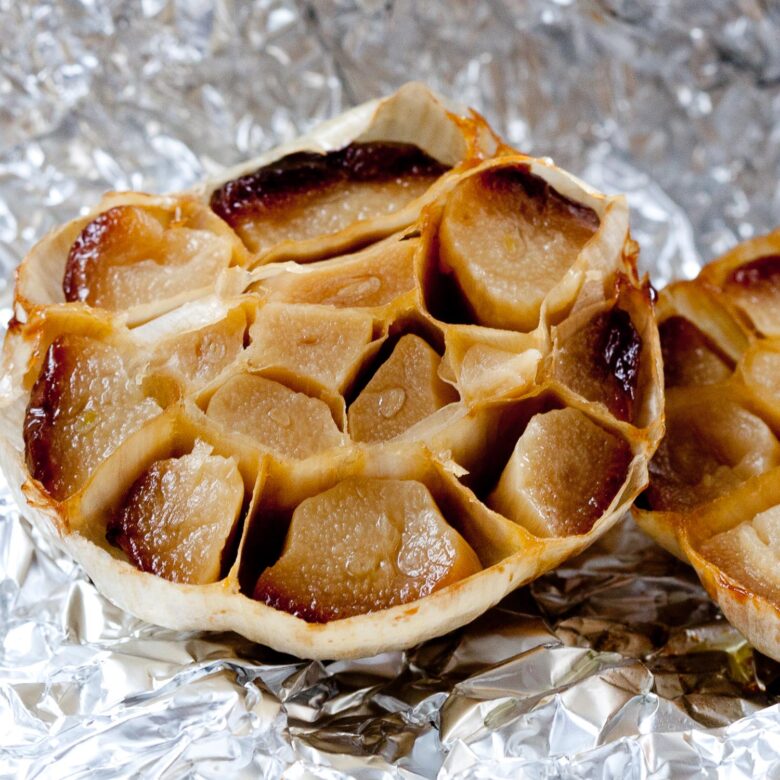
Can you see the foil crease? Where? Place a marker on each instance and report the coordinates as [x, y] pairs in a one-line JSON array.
[[615, 665]]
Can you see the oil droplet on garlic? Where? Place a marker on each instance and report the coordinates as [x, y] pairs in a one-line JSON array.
[[391, 401], [280, 417], [356, 289]]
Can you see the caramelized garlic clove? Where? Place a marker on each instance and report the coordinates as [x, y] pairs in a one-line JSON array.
[[133, 255], [712, 444], [307, 194], [313, 341], [274, 417], [563, 474], [508, 237], [405, 389], [366, 544], [179, 516], [377, 276], [750, 553], [755, 289], [600, 361], [690, 358], [198, 356], [82, 406]]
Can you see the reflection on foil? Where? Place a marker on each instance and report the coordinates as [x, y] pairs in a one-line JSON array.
[[615, 665]]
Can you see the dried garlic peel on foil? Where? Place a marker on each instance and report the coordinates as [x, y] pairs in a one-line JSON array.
[[714, 493], [410, 371]]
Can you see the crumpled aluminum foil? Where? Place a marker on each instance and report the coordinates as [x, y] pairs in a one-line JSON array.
[[617, 664]]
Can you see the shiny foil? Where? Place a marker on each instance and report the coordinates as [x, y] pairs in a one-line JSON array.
[[617, 664]]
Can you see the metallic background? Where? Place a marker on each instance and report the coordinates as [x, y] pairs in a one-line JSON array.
[[617, 664]]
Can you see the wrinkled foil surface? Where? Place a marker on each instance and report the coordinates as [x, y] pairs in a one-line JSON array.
[[615, 665]]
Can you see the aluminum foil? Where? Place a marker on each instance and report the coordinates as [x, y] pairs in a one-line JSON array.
[[616, 665]]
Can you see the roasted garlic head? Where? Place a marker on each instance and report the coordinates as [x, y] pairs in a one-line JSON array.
[[344, 398], [714, 493]]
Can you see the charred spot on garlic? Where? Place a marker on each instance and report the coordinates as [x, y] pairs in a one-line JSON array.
[[600, 360], [82, 407], [764, 271], [136, 254], [306, 194]]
